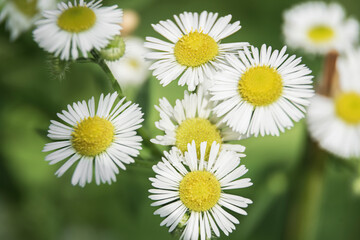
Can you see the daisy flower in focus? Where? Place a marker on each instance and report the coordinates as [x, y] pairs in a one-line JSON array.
[[194, 51], [131, 69], [104, 138], [318, 27], [190, 120], [191, 188], [73, 29], [20, 15], [262, 92], [334, 121]]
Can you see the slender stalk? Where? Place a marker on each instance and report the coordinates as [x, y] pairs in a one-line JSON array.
[[306, 194], [101, 62], [308, 182], [144, 134]]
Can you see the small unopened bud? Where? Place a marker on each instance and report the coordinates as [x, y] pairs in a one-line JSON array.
[[114, 50], [130, 22]]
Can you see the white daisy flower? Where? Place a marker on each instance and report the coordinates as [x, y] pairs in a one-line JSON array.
[[191, 188], [131, 69], [192, 119], [74, 29], [319, 27], [105, 137], [194, 51], [21, 15], [335, 122], [262, 92]]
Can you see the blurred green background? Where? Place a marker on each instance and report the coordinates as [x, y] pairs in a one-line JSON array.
[[34, 204]]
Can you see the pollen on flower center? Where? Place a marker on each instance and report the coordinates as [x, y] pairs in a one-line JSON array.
[[347, 107], [199, 190], [321, 33], [92, 136], [77, 19], [260, 85], [199, 130], [27, 7], [195, 49]]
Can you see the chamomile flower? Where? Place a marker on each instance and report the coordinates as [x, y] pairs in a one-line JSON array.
[[194, 51], [104, 139], [190, 120], [191, 188], [131, 69], [21, 15], [318, 27], [262, 92], [73, 29], [334, 122]]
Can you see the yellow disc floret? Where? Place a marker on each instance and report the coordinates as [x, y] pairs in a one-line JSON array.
[[27, 7], [195, 49], [347, 107], [92, 136], [321, 33], [197, 129], [77, 19], [199, 191], [260, 85]]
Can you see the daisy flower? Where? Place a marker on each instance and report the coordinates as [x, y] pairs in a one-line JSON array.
[[21, 15], [131, 69], [73, 29], [262, 92], [334, 122], [192, 119], [104, 138], [191, 188], [194, 51], [319, 27]]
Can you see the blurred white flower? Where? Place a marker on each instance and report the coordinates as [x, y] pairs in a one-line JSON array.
[[190, 191], [334, 121], [105, 137], [318, 27], [20, 15], [73, 30], [131, 70]]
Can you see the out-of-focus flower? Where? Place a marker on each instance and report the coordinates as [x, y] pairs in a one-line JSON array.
[[335, 121], [105, 137], [73, 30], [194, 51], [318, 27], [131, 70], [191, 188], [20, 15], [130, 22], [190, 120], [262, 92]]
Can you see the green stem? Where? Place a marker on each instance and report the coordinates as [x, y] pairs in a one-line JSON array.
[[144, 134], [306, 194], [101, 62]]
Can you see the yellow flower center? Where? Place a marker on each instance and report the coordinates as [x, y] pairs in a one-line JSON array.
[[261, 85], [321, 33], [27, 7], [347, 107], [92, 136], [200, 130], [199, 191], [77, 19], [195, 49]]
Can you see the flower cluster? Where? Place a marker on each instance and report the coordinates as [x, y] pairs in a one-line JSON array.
[[238, 91]]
